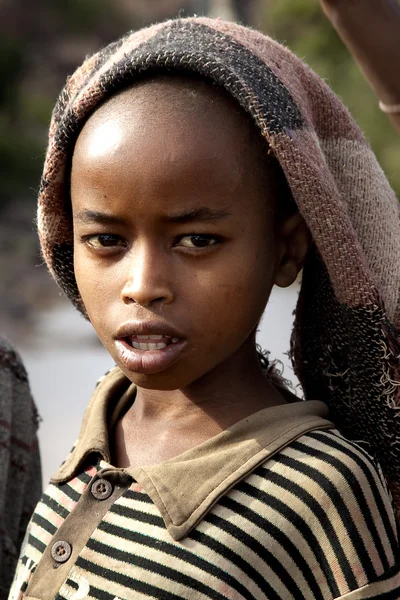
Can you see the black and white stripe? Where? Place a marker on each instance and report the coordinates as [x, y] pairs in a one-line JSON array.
[[313, 522]]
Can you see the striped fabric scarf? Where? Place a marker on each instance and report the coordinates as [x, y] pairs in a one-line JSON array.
[[345, 342]]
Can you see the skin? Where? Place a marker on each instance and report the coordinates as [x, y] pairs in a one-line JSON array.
[[160, 149], [371, 31]]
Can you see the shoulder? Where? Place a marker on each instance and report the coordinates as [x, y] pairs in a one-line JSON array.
[[328, 493], [333, 461], [339, 469], [333, 482], [325, 504], [343, 487]]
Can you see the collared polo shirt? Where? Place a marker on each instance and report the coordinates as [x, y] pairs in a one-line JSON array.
[[278, 506]]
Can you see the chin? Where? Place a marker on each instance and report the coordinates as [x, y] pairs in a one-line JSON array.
[[159, 381]]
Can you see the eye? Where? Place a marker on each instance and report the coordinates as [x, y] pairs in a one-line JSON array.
[[195, 240], [104, 242]]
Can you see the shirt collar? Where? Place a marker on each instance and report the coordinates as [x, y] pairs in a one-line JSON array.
[[185, 487]]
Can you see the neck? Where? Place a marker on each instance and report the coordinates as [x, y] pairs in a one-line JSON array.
[[163, 424], [229, 393]]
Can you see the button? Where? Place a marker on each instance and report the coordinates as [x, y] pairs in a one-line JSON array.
[[102, 489], [61, 551]]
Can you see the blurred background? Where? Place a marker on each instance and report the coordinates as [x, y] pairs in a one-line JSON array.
[[41, 42]]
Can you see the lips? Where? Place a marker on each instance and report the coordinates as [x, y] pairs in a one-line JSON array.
[[147, 328], [148, 347]]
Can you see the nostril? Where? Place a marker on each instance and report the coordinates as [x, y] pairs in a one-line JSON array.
[[127, 299]]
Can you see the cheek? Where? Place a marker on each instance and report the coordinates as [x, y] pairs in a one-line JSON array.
[[231, 299], [91, 278]]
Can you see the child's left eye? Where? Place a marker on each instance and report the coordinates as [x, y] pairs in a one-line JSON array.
[[195, 240]]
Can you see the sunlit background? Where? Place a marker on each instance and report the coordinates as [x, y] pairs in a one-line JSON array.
[[43, 41]]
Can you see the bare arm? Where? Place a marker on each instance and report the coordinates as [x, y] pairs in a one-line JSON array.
[[371, 31]]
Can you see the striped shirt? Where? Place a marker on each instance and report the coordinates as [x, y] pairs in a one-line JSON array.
[[280, 506]]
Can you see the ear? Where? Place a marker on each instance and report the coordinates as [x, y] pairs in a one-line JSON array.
[[294, 242]]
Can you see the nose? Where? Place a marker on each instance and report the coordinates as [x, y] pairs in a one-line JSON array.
[[147, 279]]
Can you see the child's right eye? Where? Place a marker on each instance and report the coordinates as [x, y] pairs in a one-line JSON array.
[[104, 241]]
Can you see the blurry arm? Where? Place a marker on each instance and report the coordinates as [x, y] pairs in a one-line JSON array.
[[371, 31]]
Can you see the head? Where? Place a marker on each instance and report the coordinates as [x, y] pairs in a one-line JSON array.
[[183, 222]]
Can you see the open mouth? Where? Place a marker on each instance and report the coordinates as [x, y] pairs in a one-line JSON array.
[[150, 342], [148, 347]]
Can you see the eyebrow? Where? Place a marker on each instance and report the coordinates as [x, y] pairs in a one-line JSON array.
[[94, 216], [202, 214], [197, 214]]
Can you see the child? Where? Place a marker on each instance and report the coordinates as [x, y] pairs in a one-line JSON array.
[[166, 214]]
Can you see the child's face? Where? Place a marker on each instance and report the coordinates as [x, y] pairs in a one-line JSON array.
[[174, 232]]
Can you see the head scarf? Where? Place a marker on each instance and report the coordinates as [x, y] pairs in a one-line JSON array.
[[345, 342]]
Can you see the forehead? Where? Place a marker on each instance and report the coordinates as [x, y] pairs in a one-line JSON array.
[[170, 133], [172, 108]]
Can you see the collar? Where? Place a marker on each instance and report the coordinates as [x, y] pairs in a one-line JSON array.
[[185, 487]]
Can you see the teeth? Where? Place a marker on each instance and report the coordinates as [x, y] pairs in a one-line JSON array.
[[156, 336], [138, 341], [149, 346]]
